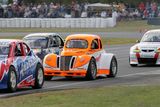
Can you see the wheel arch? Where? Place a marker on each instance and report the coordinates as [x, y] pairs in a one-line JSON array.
[[105, 60]]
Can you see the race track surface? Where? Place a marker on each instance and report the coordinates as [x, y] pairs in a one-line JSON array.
[[132, 76]]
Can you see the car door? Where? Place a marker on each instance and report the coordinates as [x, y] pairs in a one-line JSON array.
[[19, 60], [96, 46], [30, 61]]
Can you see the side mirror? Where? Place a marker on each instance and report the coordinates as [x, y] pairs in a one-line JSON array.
[[137, 41]]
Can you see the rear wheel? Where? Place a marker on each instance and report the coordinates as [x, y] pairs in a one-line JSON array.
[[92, 70], [47, 78], [39, 77], [12, 80], [113, 67]]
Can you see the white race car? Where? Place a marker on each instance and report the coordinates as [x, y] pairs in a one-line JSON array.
[[147, 51]]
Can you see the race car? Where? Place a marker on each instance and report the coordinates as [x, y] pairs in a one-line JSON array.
[[44, 43], [147, 51], [82, 56], [19, 66]]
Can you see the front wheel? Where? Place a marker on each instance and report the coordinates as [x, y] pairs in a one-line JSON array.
[[12, 80], [113, 67], [39, 77], [92, 70]]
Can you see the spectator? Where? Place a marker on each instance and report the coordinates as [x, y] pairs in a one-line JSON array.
[[75, 10], [104, 14]]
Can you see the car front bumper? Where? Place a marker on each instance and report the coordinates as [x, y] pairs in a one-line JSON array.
[[138, 59], [75, 72]]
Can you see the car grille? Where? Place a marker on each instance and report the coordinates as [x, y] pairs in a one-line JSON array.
[[147, 60], [147, 50], [65, 63]]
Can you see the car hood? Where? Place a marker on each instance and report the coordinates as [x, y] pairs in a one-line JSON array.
[[73, 52], [147, 45]]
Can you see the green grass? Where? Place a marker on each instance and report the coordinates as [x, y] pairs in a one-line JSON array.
[[105, 40], [118, 41], [119, 96], [123, 26]]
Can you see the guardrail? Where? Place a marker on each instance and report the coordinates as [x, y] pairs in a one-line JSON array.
[[57, 22]]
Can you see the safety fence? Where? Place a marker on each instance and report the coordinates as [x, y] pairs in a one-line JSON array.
[[57, 22]]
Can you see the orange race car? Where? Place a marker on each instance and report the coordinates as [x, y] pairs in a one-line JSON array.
[[83, 56]]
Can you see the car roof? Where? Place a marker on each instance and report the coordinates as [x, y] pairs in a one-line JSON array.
[[9, 41], [154, 30], [87, 37], [40, 34]]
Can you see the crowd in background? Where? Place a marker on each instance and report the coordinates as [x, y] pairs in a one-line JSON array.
[[76, 10]]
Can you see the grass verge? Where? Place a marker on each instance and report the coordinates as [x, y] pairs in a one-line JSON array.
[[123, 26], [105, 40], [118, 96]]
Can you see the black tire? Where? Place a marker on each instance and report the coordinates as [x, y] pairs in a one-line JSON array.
[[113, 68], [48, 78], [92, 70], [12, 80], [133, 65], [39, 77]]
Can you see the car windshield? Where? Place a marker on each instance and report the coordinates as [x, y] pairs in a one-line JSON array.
[[4, 50], [77, 43], [151, 37], [37, 42]]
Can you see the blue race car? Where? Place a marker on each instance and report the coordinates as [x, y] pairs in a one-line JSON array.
[[19, 66]]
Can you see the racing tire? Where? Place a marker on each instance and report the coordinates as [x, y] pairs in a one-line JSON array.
[[48, 78], [113, 68], [39, 77], [12, 80], [133, 65], [92, 70]]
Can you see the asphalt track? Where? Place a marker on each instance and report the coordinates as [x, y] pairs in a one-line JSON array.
[[130, 76]]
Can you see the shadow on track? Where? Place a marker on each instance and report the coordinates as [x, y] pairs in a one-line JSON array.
[[75, 79], [148, 65]]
